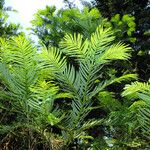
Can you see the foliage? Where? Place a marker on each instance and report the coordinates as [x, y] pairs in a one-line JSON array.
[[90, 55], [141, 91], [67, 93], [140, 10], [7, 29], [125, 27], [29, 96], [50, 26], [126, 120], [27, 107]]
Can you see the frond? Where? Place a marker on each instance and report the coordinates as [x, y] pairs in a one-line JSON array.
[[52, 59], [41, 102], [6, 77], [76, 116], [3, 50], [137, 104], [135, 87], [91, 123], [20, 55], [102, 85], [142, 91], [144, 120], [43, 96], [74, 46], [64, 95], [21, 52], [68, 81], [101, 39], [88, 74], [117, 51], [126, 77], [18, 71], [145, 97]]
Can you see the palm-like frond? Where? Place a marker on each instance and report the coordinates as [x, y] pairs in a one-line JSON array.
[[102, 85], [20, 75], [126, 77], [145, 97], [141, 91], [20, 52], [18, 69], [98, 51], [144, 120], [91, 54], [91, 123], [116, 51], [52, 59], [67, 79], [101, 39], [74, 46], [135, 87], [88, 74]]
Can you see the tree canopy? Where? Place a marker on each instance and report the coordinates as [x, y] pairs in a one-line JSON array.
[[6, 29]]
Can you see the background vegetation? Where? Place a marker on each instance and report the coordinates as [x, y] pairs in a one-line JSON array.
[[85, 87]]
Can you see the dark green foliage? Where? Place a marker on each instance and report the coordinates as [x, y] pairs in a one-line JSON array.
[[112, 7]]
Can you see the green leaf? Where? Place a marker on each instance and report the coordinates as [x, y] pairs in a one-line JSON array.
[[52, 119]]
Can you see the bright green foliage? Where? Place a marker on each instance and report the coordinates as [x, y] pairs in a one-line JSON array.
[[140, 91], [120, 123], [51, 26], [124, 26], [125, 118]]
